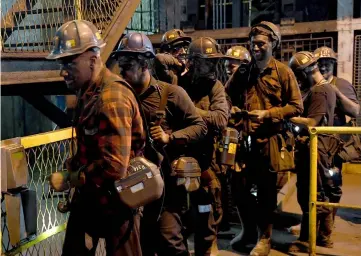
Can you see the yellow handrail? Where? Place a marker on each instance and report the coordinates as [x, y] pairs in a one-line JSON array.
[[37, 148], [46, 138], [314, 131]]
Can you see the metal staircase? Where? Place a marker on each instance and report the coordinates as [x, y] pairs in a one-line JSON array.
[[27, 30]]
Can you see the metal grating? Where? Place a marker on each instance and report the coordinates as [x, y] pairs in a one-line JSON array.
[[357, 70], [291, 46], [145, 18], [30, 25]]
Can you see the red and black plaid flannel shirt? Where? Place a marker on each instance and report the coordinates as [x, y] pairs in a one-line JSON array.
[[109, 130]]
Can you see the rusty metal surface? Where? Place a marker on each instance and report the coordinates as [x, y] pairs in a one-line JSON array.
[[8, 78], [297, 28], [291, 46], [24, 55]]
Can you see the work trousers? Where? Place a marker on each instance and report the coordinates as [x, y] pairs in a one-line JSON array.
[[205, 214], [256, 211], [119, 226], [162, 223]]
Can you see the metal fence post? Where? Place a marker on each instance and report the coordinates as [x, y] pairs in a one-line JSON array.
[[78, 14], [313, 192]]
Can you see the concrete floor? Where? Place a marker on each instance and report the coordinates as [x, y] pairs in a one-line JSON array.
[[346, 235]]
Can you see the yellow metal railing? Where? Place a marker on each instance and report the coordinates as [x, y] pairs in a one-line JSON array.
[[314, 131], [45, 154]]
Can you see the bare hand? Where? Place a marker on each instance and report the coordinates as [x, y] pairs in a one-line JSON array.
[[235, 109], [59, 181], [294, 120], [157, 134], [168, 60], [261, 114], [241, 122], [254, 126]]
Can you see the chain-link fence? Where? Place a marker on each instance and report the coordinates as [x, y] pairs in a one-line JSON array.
[[357, 70], [42, 161], [100, 12], [30, 25]]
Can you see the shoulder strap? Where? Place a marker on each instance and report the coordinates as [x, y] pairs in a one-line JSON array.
[[333, 81], [161, 113], [163, 98]]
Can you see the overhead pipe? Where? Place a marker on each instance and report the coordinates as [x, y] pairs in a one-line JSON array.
[[224, 14], [249, 12], [214, 14]]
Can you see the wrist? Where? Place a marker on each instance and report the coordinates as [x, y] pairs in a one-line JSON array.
[[268, 114]]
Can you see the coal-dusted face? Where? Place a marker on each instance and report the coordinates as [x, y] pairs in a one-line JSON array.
[[326, 67], [179, 51], [77, 70], [203, 67], [132, 69], [261, 47], [231, 66]]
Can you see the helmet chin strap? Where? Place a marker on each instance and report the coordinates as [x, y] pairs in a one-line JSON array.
[[330, 78]]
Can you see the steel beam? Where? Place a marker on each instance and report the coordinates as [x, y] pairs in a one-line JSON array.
[[297, 28], [48, 88], [29, 77], [116, 28], [24, 55], [48, 109]]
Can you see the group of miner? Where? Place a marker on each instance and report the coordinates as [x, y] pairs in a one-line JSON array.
[[170, 105]]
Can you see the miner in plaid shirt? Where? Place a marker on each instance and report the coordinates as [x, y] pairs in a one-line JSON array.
[[109, 133]]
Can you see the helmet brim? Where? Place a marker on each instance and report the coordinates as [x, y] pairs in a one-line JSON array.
[[146, 54], [178, 40], [205, 56], [329, 57], [54, 55]]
